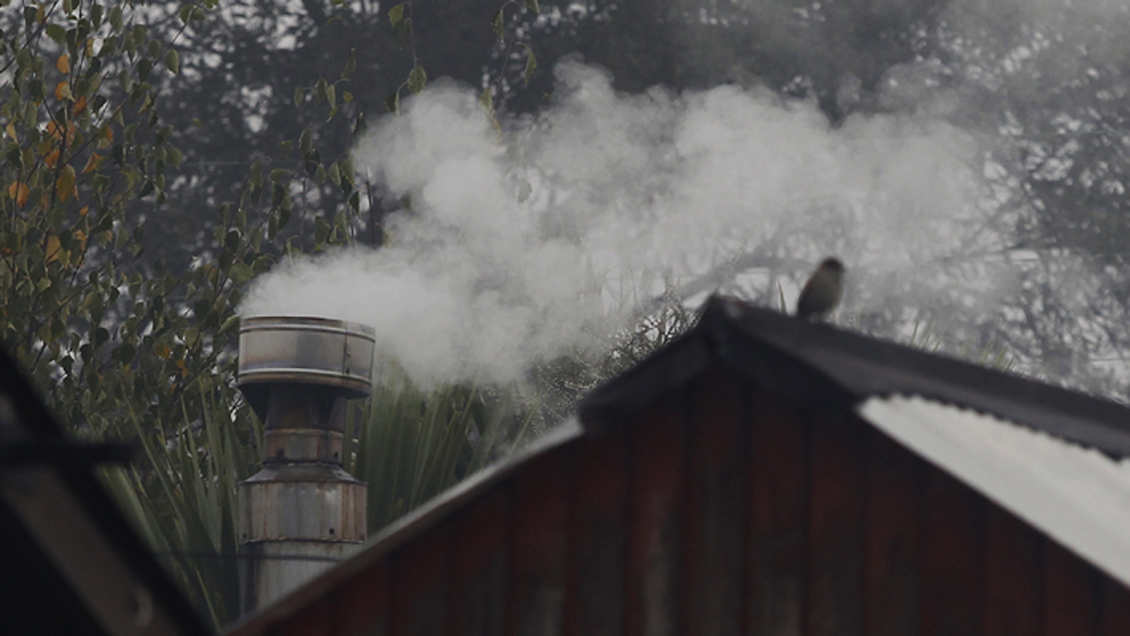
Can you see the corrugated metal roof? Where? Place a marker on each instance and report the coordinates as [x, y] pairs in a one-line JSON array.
[[1076, 495]]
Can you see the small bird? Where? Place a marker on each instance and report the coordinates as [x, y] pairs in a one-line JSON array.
[[823, 290]]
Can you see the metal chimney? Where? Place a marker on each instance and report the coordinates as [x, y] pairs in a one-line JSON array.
[[302, 512]]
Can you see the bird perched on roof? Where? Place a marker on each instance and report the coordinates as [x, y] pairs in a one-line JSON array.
[[823, 290]]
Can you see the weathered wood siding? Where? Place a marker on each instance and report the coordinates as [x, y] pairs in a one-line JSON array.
[[722, 511]]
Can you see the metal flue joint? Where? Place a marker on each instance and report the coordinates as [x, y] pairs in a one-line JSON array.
[[302, 512]]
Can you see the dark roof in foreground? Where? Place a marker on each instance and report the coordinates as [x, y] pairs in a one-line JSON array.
[[72, 564], [817, 363]]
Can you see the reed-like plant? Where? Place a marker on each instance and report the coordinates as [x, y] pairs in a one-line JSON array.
[[182, 496]]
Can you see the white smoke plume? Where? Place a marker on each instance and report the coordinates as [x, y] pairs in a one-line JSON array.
[[544, 235]]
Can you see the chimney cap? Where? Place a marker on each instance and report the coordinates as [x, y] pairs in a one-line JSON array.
[[306, 350]]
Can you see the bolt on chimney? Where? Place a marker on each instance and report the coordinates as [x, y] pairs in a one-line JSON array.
[[302, 512]]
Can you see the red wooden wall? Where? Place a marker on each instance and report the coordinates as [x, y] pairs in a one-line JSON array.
[[721, 510]]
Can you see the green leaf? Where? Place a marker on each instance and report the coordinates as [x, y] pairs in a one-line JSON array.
[[172, 61], [531, 65], [392, 102], [396, 14], [56, 32], [240, 273], [321, 230], [350, 65], [125, 353], [486, 100], [231, 321], [417, 79], [532, 5], [304, 141], [498, 22]]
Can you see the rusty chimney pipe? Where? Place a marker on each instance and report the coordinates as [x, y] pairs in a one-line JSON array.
[[302, 512]]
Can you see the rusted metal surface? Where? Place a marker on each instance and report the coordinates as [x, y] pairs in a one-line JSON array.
[[716, 506], [952, 559], [1014, 576], [656, 484], [421, 577], [777, 489], [1115, 608], [719, 509], [303, 444], [893, 538], [479, 576], [311, 502], [537, 568], [598, 534], [1071, 594], [282, 349]]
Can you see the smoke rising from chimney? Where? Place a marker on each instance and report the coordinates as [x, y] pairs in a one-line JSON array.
[[544, 236]]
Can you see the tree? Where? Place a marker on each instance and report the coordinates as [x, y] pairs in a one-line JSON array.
[[120, 349]]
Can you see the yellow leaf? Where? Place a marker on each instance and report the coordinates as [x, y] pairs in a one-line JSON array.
[[52, 158], [92, 163], [65, 184], [53, 248], [82, 212], [63, 63], [80, 236], [63, 91], [162, 351], [11, 130], [107, 137], [19, 191], [80, 104]]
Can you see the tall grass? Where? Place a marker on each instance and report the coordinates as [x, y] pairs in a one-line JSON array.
[[410, 444], [182, 495]]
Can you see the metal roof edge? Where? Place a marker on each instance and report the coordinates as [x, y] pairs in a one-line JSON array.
[[717, 338]]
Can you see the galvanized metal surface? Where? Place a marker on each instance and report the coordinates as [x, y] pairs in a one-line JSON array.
[[318, 502], [302, 445], [302, 511], [288, 349], [275, 568]]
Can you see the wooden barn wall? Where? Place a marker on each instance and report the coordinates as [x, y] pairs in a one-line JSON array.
[[723, 511]]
